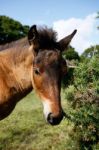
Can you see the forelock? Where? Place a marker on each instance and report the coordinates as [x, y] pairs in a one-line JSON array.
[[47, 38]]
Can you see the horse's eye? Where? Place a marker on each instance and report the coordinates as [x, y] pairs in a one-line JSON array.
[[37, 71]]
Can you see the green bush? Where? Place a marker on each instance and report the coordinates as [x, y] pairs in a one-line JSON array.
[[68, 79], [83, 101], [69, 93]]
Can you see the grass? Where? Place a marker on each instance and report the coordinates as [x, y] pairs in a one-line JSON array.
[[26, 129]]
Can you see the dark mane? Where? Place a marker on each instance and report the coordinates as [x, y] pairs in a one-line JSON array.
[[42, 38], [21, 42], [47, 33], [48, 37]]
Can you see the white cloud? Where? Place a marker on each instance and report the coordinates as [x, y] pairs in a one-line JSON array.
[[86, 31]]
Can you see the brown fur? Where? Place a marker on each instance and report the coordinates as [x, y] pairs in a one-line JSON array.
[[22, 42], [15, 76], [39, 65]]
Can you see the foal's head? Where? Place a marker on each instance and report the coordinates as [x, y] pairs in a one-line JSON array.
[[48, 68]]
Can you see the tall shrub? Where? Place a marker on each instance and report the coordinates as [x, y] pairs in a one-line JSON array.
[[83, 98]]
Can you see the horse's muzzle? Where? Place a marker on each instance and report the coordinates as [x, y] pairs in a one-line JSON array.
[[55, 120]]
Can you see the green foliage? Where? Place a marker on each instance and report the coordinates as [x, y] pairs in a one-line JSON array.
[[97, 18], [69, 93], [88, 74], [11, 30], [71, 54], [68, 79], [83, 98], [90, 52]]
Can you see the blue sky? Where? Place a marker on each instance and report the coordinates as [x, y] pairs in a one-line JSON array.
[[47, 11], [51, 12]]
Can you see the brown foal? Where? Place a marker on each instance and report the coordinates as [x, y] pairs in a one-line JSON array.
[[36, 63]]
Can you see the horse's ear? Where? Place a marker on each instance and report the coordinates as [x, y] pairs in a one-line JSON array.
[[63, 43], [33, 36]]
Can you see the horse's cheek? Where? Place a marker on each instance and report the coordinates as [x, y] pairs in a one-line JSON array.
[[38, 82]]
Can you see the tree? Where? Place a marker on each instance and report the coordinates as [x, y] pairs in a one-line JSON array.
[[90, 52], [98, 18], [11, 30], [71, 54]]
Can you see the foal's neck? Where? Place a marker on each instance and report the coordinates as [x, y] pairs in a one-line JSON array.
[[18, 60], [22, 69]]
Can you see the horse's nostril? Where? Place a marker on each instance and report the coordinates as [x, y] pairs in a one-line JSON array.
[[53, 120], [50, 118]]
